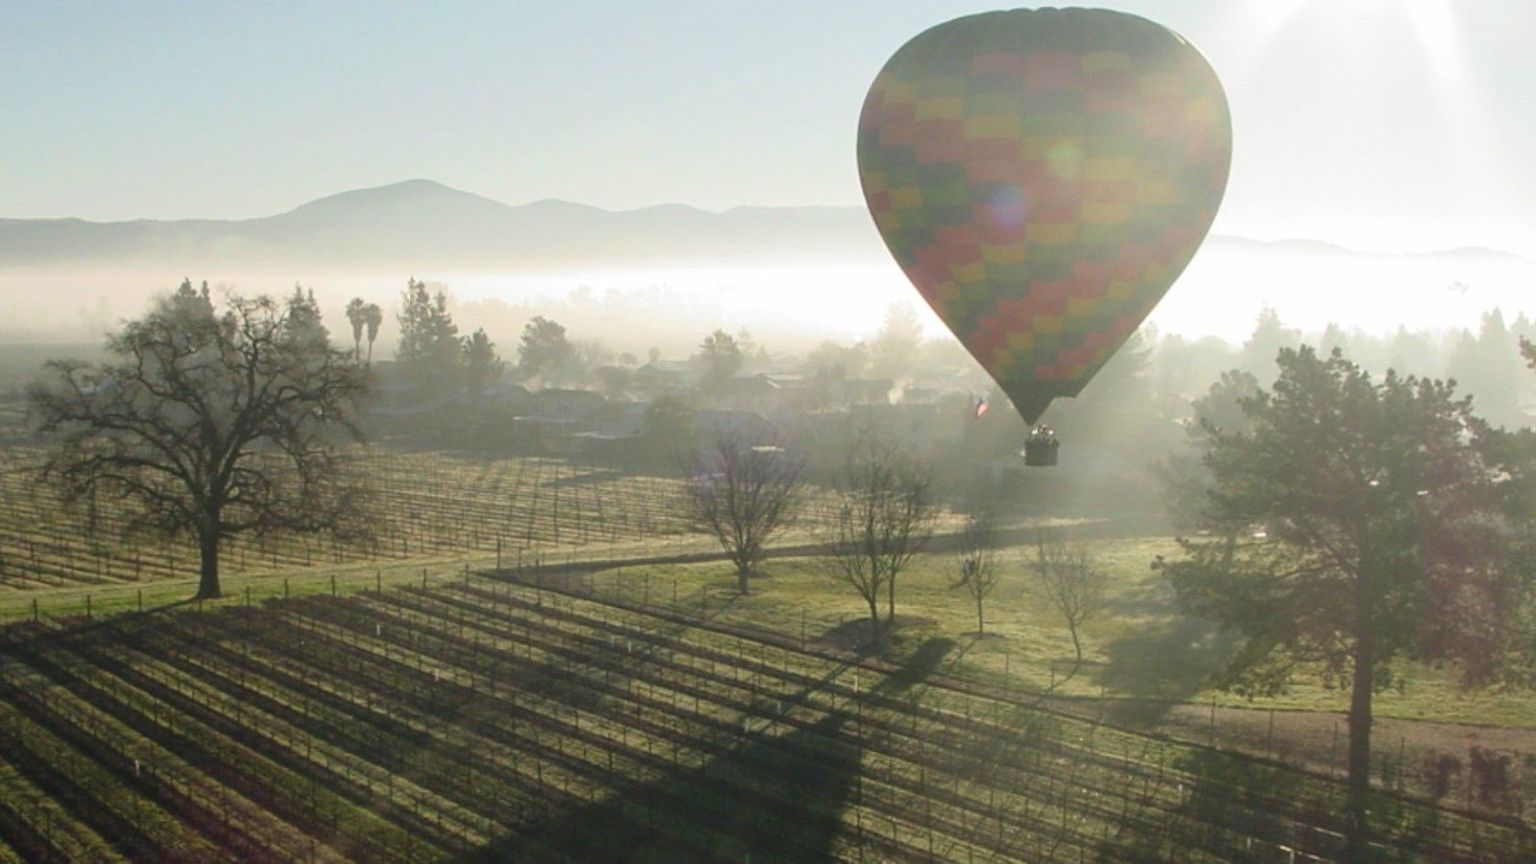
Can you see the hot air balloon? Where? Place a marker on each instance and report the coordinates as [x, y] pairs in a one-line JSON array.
[[1042, 177]]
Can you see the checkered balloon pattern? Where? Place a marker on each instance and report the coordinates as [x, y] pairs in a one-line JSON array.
[[1043, 177]]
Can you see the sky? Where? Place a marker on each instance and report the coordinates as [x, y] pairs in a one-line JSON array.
[[1379, 124]]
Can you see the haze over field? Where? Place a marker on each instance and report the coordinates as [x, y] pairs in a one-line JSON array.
[[799, 273]]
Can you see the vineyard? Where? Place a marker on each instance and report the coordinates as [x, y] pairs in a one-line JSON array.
[[492, 719], [423, 506]]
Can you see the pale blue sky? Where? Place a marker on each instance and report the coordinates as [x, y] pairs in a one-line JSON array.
[[1378, 123]]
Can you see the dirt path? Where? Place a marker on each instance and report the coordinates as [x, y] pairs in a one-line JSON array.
[[1317, 740]]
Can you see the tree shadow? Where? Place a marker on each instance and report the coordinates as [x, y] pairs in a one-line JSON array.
[[917, 667], [61, 628], [773, 798], [770, 798], [1157, 665], [1237, 809], [1246, 810], [856, 635]]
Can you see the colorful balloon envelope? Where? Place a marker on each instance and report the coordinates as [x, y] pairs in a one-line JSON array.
[[1042, 177]]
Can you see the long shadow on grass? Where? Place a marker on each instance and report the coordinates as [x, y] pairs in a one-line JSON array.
[[1236, 808], [1161, 664], [772, 798], [923, 662], [1232, 808], [768, 799]]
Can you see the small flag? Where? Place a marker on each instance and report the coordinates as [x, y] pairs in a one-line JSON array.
[[981, 407]]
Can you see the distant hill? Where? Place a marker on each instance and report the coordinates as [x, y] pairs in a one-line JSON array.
[[420, 223], [423, 224]]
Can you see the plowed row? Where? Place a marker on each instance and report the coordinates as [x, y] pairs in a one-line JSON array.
[[424, 506], [496, 720]]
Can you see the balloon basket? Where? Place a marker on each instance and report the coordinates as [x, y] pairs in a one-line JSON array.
[[1041, 447]]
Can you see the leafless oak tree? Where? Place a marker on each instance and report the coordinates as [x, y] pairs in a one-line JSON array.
[[885, 512], [210, 422], [977, 565], [745, 496], [1069, 577]]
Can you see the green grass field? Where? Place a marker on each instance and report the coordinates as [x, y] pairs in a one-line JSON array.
[[1141, 647]]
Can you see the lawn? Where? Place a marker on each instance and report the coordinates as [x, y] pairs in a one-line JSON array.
[[1140, 648]]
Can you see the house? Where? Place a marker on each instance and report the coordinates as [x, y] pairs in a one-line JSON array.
[[554, 415], [863, 391], [663, 375], [749, 426], [616, 436]]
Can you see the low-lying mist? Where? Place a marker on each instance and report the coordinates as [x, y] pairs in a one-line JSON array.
[[792, 308]]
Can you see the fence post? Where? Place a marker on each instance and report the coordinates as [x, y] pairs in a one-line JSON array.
[[1333, 745], [1213, 720], [333, 584]]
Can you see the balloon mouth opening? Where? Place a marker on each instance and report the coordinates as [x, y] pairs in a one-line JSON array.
[[1030, 404], [1031, 399]]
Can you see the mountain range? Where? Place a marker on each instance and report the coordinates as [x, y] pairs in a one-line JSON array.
[[421, 224]]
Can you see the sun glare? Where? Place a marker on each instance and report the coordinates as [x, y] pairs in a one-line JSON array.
[[1434, 25], [1268, 17]]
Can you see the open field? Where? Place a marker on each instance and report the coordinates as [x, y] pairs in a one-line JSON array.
[[1141, 648], [1145, 667], [487, 719]]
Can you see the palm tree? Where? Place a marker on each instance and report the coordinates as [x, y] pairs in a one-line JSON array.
[[373, 316], [357, 314]]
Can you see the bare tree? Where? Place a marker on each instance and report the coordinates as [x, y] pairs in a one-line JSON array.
[[212, 423], [1069, 577], [977, 570], [884, 515], [745, 496]]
